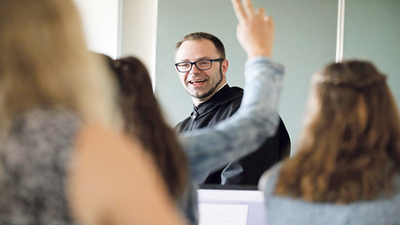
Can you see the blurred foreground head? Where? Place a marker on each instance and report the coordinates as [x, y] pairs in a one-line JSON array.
[[44, 62]]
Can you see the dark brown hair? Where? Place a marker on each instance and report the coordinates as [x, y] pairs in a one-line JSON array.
[[200, 36], [143, 120], [350, 146]]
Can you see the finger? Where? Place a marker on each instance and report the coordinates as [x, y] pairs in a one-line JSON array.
[[240, 14], [260, 13], [268, 18], [249, 9]]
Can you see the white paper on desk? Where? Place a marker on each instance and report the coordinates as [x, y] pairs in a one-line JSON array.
[[223, 214]]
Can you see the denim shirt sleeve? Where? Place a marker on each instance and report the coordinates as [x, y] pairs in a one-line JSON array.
[[209, 149]]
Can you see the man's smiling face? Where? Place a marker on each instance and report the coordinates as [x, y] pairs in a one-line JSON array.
[[201, 85]]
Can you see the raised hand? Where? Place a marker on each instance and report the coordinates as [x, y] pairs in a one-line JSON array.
[[255, 31]]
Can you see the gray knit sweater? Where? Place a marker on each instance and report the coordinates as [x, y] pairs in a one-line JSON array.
[[34, 162], [286, 210]]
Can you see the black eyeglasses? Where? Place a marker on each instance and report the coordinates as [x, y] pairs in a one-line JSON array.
[[202, 64]]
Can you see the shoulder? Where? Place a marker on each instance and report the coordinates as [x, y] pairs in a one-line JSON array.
[[39, 149], [227, 92], [40, 138], [232, 96], [396, 181], [45, 121], [268, 179], [180, 127], [235, 92], [236, 89], [44, 128]]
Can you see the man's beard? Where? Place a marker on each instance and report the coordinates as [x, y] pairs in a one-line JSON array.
[[211, 91]]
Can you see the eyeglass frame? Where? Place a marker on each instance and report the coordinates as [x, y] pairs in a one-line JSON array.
[[195, 63]]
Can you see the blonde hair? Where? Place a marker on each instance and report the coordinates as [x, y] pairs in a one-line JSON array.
[[350, 146], [44, 62]]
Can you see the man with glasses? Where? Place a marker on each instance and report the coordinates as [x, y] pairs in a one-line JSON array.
[[201, 66]]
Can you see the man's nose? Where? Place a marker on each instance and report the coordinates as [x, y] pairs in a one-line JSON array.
[[195, 70]]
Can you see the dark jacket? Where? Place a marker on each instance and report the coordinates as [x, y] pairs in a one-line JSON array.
[[248, 170]]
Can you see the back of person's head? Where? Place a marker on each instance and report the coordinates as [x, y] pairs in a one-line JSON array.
[[143, 120], [44, 61], [197, 36], [350, 146]]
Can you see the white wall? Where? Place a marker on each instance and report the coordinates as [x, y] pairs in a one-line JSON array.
[[120, 28], [101, 24], [139, 27]]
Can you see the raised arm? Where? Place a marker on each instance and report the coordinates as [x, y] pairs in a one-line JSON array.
[[255, 30], [211, 148]]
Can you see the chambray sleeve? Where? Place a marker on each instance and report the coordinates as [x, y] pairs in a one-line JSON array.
[[209, 149]]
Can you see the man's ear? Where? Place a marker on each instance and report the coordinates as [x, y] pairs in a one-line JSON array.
[[225, 65]]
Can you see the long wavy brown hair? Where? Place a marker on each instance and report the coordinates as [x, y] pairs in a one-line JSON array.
[[143, 119], [350, 146]]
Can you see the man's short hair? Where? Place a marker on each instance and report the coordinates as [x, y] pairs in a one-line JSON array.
[[200, 36]]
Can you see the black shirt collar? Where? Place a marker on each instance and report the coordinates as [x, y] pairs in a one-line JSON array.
[[224, 95]]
